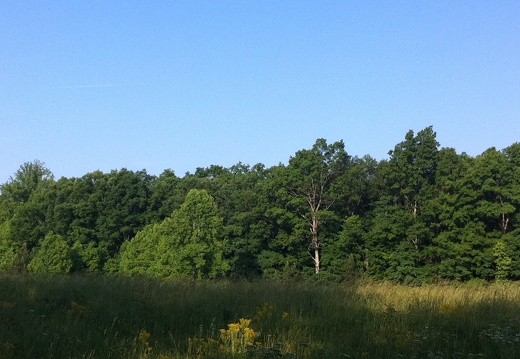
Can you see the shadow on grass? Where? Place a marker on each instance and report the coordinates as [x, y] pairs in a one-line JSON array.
[[93, 316]]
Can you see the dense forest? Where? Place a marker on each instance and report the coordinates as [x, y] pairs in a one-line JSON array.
[[425, 214]]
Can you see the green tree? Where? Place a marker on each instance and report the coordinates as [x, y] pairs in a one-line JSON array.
[[167, 195], [52, 256], [401, 230], [344, 251], [141, 255], [124, 207], [24, 203], [284, 252], [492, 182], [196, 249], [8, 248], [241, 195], [502, 261], [189, 244], [307, 187], [29, 177], [89, 256], [447, 252], [355, 190], [484, 211], [411, 177], [512, 154], [347, 255]]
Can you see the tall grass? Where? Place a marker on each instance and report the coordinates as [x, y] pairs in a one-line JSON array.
[[119, 317]]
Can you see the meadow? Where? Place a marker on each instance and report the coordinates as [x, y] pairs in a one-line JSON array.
[[94, 316]]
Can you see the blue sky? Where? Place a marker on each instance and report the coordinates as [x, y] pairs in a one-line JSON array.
[[88, 85]]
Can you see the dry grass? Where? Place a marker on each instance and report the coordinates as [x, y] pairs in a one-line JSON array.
[[380, 295]]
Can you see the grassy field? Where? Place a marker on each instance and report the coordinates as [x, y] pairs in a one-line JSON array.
[[112, 317]]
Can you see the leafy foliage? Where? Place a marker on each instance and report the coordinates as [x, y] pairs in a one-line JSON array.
[[188, 244], [53, 256], [422, 215]]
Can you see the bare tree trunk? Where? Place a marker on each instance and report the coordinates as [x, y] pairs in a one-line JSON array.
[[415, 211], [505, 218], [317, 260], [315, 242], [505, 222]]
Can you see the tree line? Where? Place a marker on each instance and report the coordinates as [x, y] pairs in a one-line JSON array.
[[424, 214]]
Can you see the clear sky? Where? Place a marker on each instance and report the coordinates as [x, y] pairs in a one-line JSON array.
[[87, 85]]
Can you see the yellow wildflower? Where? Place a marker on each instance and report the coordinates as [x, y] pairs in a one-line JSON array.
[[244, 323], [234, 327], [238, 336], [144, 336]]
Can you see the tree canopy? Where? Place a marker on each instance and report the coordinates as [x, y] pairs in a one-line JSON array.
[[424, 214]]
